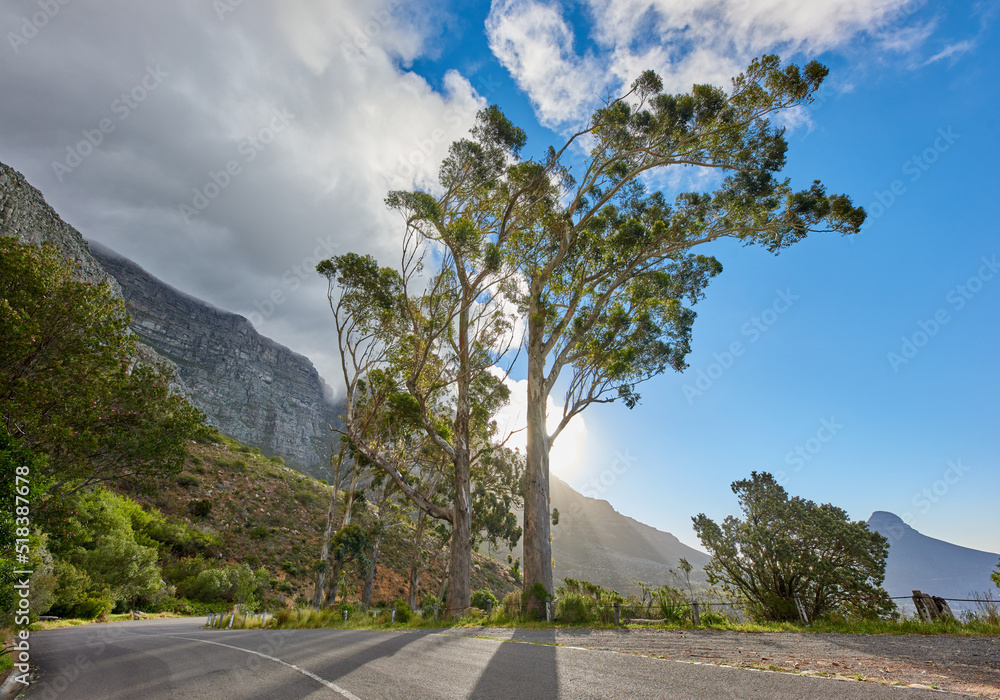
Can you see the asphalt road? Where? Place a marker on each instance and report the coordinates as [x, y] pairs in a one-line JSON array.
[[159, 659]]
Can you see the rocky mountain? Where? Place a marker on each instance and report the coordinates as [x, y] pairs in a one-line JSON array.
[[918, 562], [252, 388], [249, 386], [596, 543]]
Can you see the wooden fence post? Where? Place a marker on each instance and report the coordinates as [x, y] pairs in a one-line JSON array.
[[923, 610], [618, 611], [695, 614]]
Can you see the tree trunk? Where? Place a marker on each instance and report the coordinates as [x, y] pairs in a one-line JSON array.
[[331, 515], [460, 561], [443, 587], [335, 572], [537, 563], [415, 559], [366, 596], [325, 552]]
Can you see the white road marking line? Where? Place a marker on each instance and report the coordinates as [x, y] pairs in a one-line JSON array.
[[332, 686]]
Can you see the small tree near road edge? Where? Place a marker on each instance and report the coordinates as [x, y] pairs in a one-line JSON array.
[[786, 548]]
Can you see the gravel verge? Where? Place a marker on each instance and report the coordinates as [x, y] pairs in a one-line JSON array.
[[958, 664]]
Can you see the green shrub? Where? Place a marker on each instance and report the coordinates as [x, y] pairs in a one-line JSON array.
[[473, 615], [574, 608], [484, 599], [403, 610], [259, 532], [201, 508], [533, 601], [210, 585], [512, 605], [712, 619], [188, 480], [427, 604]]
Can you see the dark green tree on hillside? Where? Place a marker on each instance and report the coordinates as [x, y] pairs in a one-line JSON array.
[[70, 385], [786, 548]]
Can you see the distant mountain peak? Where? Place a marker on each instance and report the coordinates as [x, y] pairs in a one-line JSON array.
[[884, 516], [919, 562]]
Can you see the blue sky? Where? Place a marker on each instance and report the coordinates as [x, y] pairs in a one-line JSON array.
[[865, 371]]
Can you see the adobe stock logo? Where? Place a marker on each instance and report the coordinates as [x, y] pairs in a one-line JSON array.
[[956, 298], [754, 329], [122, 107], [249, 148]]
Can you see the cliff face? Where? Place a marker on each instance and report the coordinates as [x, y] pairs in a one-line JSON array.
[[252, 388], [26, 216], [249, 386]]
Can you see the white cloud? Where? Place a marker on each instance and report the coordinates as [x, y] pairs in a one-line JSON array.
[[536, 45], [360, 124], [952, 51], [685, 41]]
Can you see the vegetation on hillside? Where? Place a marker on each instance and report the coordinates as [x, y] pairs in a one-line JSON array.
[[71, 387]]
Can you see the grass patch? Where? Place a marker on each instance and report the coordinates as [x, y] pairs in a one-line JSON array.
[[6, 662], [307, 618]]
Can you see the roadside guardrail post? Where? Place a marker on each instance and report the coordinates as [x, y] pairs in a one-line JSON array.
[[802, 611], [695, 614]]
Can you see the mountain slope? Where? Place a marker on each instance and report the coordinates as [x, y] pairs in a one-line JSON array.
[[918, 562], [594, 542]]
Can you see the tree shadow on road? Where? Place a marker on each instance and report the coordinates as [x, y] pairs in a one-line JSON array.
[[521, 670]]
